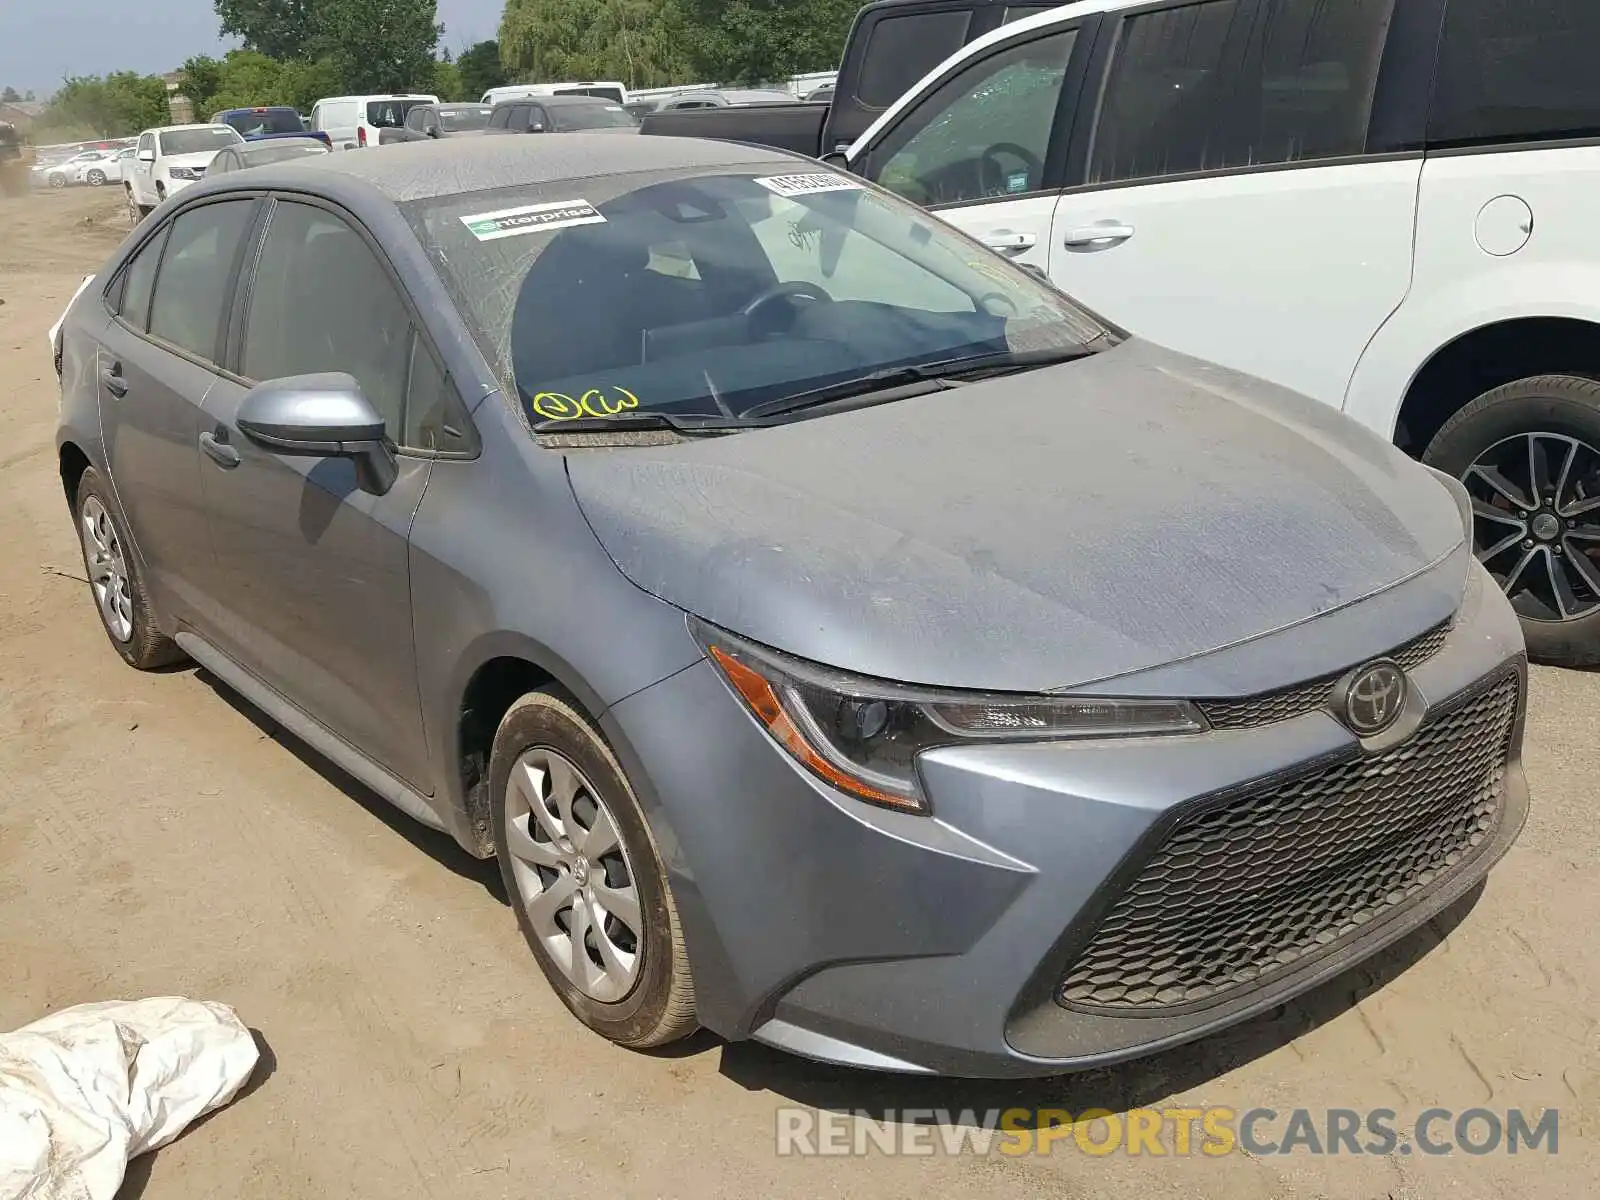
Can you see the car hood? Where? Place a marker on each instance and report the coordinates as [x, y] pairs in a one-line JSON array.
[[202, 159], [1036, 532]]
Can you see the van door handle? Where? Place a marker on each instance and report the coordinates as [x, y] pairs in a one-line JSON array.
[[1009, 243], [1100, 236], [224, 455], [114, 382]]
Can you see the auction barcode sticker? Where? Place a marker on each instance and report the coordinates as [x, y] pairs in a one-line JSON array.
[[532, 218], [806, 185]]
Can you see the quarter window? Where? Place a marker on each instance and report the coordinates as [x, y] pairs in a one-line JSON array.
[[192, 287], [138, 281], [901, 50], [1517, 72], [984, 133], [321, 301]]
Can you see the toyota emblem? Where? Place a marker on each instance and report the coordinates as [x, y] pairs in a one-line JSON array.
[[1372, 698]]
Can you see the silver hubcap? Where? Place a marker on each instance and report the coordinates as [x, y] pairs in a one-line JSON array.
[[108, 569], [573, 875], [1536, 498]]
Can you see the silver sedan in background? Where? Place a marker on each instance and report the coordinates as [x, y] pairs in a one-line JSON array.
[[840, 637]]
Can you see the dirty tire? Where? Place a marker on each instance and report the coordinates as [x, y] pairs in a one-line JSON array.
[[96, 178], [660, 1008], [1559, 404], [147, 648]]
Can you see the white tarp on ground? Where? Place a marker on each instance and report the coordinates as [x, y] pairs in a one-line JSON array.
[[84, 1090]]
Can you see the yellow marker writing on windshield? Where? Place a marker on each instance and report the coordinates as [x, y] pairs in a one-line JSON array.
[[555, 406]]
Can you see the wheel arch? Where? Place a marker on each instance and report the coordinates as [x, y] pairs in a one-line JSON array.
[[73, 462]]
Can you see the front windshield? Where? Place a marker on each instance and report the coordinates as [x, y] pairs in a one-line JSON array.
[[198, 141], [455, 120], [592, 116], [708, 295]]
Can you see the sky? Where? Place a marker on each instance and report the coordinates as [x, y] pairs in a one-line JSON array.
[[43, 40]]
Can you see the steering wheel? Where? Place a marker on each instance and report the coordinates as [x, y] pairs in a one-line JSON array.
[[800, 289], [991, 157]]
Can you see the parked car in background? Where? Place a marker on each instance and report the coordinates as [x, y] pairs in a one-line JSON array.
[[605, 90], [91, 167], [723, 98], [354, 122], [561, 114], [255, 154], [169, 159], [892, 44], [840, 637], [123, 163], [259, 124], [427, 121], [1384, 205]]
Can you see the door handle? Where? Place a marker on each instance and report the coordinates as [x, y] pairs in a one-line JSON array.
[[112, 378], [1004, 241], [217, 448], [1098, 237]]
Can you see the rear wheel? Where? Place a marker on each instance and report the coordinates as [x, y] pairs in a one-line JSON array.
[[1529, 453], [585, 877], [57, 179]]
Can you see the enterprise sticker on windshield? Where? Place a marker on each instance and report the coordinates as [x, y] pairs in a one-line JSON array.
[[806, 185], [532, 218]]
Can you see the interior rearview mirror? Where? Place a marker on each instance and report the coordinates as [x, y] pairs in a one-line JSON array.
[[321, 416]]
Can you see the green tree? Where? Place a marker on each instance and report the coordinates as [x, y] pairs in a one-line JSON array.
[[304, 83], [447, 79], [480, 69], [115, 105], [758, 41], [282, 29], [588, 39], [379, 45], [10, 96]]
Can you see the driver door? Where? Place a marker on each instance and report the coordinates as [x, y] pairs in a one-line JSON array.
[[986, 149]]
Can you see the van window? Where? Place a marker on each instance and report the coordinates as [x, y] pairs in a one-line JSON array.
[[1517, 70], [1167, 96], [390, 114], [985, 132], [901, 50], [605, 93]]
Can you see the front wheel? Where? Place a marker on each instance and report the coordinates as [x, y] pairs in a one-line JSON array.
[[1529, 453], [584, 876], [95, 178]]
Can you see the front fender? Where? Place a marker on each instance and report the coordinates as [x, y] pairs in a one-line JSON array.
[[1432, 319]]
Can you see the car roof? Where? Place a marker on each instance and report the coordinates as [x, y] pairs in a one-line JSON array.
[[272, 144], [258, 108], [421, 170], [556, 101]]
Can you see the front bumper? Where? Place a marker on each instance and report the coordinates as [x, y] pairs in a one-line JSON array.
[[876, 939]]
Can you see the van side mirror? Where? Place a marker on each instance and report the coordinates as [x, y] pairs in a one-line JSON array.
[[321, 416]]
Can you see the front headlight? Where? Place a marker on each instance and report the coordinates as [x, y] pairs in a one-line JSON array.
[[182, 173], [863, 735]]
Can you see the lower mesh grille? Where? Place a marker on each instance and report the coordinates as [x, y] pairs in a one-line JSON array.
[[1308, 697], [1247, 888]]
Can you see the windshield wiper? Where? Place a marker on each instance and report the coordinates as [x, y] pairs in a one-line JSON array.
[[947, 372], [634, 422]]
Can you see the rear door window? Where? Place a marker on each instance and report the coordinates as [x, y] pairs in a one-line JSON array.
[[1517, 71], [138, 282], [901, 50], [192, 286]]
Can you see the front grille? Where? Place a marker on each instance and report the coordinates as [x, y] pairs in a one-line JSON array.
[[1302, 698], [1250, 886]]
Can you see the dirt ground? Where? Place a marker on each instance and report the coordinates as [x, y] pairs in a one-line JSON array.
[[158, 836]]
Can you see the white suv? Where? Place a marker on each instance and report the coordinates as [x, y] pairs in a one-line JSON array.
[[1388, 205], [169, 159]]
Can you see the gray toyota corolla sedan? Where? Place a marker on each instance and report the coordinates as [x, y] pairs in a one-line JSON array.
[[841, 638]]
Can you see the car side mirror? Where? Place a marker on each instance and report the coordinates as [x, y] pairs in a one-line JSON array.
[[321, 416], [536, 127], [147, 156], [432, 131]]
